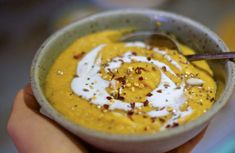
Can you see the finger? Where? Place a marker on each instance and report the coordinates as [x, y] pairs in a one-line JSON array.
[[33, 133], [188, 146], [30, 100]]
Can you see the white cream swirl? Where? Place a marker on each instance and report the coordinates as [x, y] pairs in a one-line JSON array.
[[90, 84]]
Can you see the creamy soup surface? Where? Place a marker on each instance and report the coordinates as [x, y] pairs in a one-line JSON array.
[[128, 87]]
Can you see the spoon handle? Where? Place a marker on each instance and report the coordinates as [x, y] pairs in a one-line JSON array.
[[211, 56]]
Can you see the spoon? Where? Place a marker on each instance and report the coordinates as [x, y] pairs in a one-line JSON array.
[[163, 40]]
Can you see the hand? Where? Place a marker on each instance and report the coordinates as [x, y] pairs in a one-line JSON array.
[[34, 133]]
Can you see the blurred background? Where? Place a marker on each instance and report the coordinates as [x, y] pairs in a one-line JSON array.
[[25, 24]]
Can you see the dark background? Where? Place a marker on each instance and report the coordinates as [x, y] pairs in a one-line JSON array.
[[25, 24]]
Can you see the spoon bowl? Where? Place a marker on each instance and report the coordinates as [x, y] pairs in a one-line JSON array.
[[162, 40]]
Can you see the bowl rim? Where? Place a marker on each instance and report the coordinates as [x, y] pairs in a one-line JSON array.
[[77, 129]]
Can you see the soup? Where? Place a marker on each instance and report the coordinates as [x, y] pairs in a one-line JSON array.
[[128, 87]]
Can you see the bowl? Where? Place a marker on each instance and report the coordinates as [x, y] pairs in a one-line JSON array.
[[186, 30]]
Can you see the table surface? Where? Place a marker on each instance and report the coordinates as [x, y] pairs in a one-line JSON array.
[[24, 28]]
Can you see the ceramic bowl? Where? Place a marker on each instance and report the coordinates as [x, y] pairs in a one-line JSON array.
[[186, 30]]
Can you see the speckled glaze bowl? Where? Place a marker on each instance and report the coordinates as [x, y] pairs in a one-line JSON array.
[[187, 31]]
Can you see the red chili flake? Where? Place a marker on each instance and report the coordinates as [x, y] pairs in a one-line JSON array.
[[110, 71], [139, 70], [141, 78], [178, 75], [159, 91], [153, 119], [108, 97], [134, 53], [149, 58], [146, 102], [106, 64], [212, 99], [78, 56], [145, 116], [168, 126], [149, 94], [175, 124], [129, 113], [164, 69], [113, 75], [120, 98], [161, 120], [121, 60], [133, 105], [106, 106], [122, 80], [75, 76]]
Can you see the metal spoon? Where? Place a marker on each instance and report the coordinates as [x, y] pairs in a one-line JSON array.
[[163, 40]]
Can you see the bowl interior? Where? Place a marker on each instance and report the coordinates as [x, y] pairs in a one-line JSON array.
[[188, 32]]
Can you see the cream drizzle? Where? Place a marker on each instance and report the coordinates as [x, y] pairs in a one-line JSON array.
[[90, 84]]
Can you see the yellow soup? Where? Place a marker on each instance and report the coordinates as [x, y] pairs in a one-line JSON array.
[[128, 88]]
